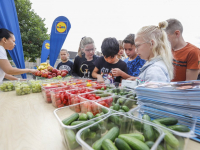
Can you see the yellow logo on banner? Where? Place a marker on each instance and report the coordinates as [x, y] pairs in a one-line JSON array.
[[61, 27], [47, 45]]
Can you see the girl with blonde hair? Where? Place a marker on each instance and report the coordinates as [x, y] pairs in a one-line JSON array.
[[152, 44], [84, 62]]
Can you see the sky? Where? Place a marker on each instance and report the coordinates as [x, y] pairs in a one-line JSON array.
[[100, 19]]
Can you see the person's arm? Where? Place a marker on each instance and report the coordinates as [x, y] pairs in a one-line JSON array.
[[8, 69], [192, 74], [96, 75], [10, 77], [117, 72]]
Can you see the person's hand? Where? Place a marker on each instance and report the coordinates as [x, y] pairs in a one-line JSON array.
[[32, 71], [100, 78], [132, 78], [116, 72]]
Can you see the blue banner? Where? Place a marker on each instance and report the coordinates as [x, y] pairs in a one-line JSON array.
[[45, 51], [59, 31], [9, 20]]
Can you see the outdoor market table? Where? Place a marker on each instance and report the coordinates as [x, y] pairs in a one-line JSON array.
[[27, 122]]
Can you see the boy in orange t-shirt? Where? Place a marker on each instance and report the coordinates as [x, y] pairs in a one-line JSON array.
[[186, 56]]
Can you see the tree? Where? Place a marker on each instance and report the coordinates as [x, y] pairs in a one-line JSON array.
[[32, 28]]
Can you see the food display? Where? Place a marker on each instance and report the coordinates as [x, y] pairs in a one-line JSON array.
[[72, 121], [47, 71], [22, 88], [120, 132], [120, 104], [35, 85], [46, 87], [7, 86], [121, 92]]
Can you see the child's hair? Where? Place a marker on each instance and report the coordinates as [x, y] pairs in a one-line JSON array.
[[161, 45], [110, 47], [4, 33], [173, 25], [84, 41], [130, 39], [65, 50], [120, 44]]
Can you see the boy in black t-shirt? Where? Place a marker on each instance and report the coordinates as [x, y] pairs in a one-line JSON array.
[[65, 64], [105, 64]]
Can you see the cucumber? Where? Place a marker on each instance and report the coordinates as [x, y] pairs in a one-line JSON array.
[[83, 117], [134, 143], [97, 115], [180, 128], [129, 103], [120, 101], [104, 110], [110, 125], [167, 121], [116, 107], [135, 135], [90, 115], [107, 144], [77, 122], [87, 123], [169, 147], [148, 129], [169, 137], [121, 110], [115, 119], [160, 147], [70, 119], [112, 107], [85, 134], [111, 134], [121, 144], [71, 138], [91, 135], [138, 125], [149, 144], [125, 108]]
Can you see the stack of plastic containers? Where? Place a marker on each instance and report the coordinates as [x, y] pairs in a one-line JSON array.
[[72, 120], [182, 96]]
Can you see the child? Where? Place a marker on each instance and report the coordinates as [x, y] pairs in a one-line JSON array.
[[120, 54], [134, 62], [65, 64], [105, 64]]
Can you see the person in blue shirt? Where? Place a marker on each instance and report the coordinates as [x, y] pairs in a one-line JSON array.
[[134, 62]]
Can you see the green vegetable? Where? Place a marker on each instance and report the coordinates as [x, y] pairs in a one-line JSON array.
[[135, 135], [148, 130], [121, 144], [125, 108], [167, 121], [149, 144], [83, 117], [169, 137], [90, 115], [77, 122], [134, 143], [116, 107], [180, 128], [71, 138], [70, 119], [111, 134]]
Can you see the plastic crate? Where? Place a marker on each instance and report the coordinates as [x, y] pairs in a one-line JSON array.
[[124, 123], [130, 103], [158, 112], [69, 131], [7, 86]]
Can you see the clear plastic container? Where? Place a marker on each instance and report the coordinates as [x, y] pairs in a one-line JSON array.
[[46, 87], [7, 86], [95, 95], [100, 86], [125, 125], [121, 91], [72, 95], [22, 88], [124, 104], [69, 131], [158, 112], [36, 85]]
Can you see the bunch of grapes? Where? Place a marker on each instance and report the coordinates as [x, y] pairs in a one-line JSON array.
[[7, 86], [22, 88], [36, 85]]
